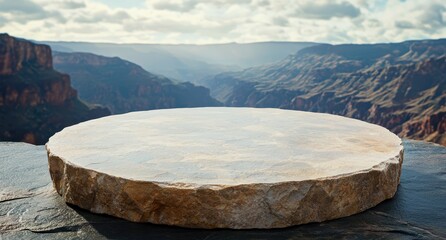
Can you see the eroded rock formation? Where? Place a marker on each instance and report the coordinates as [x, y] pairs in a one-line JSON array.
[[401, 86], [35, 100], [16, 53]]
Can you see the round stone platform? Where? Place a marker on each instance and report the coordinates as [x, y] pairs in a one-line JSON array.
[[225, 167]]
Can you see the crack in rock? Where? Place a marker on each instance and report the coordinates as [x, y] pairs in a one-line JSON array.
[[15, 198], [73, 228]]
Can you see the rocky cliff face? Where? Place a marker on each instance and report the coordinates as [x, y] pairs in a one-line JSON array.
[[123, 86], [18, 95], [399, 86], [35, 100], [431, 128], [15, 53]]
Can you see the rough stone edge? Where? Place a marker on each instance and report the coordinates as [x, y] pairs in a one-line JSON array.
[[244, 206]]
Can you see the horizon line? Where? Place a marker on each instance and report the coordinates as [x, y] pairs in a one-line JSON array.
[[227, 43]]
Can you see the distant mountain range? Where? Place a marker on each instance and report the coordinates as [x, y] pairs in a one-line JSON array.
[[35, 100], [123, 86], [186, 62], [401, 86]]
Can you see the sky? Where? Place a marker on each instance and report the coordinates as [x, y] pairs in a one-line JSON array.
[[221, 21]]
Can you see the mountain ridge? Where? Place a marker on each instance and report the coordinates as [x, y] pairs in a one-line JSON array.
[[400, 86], [188, 62], [123, 86]]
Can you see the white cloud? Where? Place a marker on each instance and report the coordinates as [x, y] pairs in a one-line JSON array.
[[327, 10], [195, 21], [102, 17], [432, 18], [404, 24], [21, 6], [281, 21], [180, 6], [23, 11], [72, 4]]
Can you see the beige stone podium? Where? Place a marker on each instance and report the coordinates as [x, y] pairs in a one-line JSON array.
[[235, 168]]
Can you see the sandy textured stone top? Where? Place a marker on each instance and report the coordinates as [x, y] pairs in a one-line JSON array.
[[225, 146]]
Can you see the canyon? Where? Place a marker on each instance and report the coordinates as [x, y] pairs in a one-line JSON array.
[[123, 86], [401, 86], [188, 62]]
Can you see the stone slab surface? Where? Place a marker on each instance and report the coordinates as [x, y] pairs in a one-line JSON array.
[[31, 209], [225, 167]]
